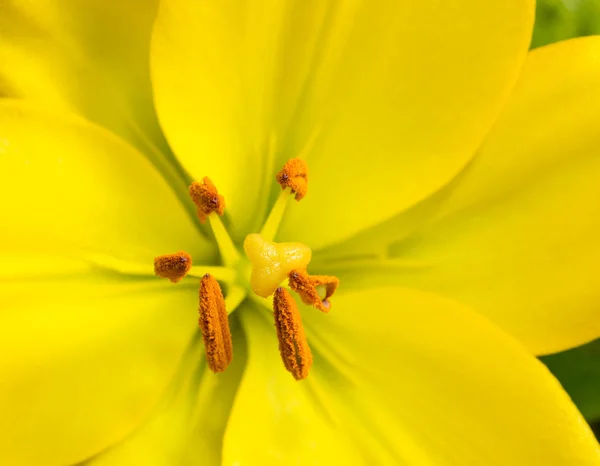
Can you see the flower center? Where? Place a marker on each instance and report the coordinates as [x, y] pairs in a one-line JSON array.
[[261, 275]]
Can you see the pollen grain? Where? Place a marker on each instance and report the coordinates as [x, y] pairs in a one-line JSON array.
[[207, 198], [294, 175], [306, 286], [214, 325], [173, 266], [295, 353]]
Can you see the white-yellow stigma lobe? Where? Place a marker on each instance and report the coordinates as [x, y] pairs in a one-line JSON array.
[[272, 262]]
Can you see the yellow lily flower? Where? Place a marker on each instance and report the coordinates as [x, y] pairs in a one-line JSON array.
[[453, 191]]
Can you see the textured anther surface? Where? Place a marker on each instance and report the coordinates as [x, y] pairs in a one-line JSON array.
[[295, 353], [294, 175], [207, 198], [214, 325], [173, 266]]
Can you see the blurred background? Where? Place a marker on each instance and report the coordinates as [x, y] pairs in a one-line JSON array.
[[578, 369], [563, 19]]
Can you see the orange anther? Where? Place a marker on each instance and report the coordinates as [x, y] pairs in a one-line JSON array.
[[207, 198], [214, 325], [306, 286], [173, 266], [295, 353], [294, 175]]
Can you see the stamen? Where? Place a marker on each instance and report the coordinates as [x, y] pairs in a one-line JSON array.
[[294, 175], [306, 286], [295, 353], [207, 198], [214, 325], [173, 266], [293, 178]]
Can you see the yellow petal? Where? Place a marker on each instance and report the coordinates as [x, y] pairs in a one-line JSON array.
[[187, 427], [89, 57], [388, 97], [84, 358], [86, 347], [274, 419], [70, 189], [517, 240], [402, 377]]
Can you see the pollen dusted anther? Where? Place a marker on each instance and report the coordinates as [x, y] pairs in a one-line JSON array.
[[214, 325], [294, 349], [173, 266], [207, 198], [294, 175], [306, 286]]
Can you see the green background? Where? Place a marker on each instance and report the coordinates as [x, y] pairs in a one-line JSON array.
[[562, 19]]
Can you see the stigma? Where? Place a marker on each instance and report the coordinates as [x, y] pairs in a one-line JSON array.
[[272, 262]]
